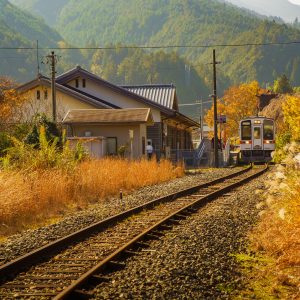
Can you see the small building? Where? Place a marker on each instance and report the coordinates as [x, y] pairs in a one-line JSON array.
[[110, 131], [78, 89]]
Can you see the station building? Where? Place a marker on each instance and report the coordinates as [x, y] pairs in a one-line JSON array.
[[95, 110]]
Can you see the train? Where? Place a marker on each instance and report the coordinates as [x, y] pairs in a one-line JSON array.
[[257, 139]]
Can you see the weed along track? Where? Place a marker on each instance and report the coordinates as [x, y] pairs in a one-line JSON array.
[[70, 267]]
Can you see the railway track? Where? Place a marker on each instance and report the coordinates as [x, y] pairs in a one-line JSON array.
[[70, 267]]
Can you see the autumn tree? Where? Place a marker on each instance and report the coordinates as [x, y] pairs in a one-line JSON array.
[[291, 112], [282, 85], [10, 102], [238, 102]]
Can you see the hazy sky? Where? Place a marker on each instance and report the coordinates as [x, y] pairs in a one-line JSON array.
[[286, 9], [295, 1]]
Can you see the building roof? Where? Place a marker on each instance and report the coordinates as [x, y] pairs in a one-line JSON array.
[[85, 97], [161, 97], [78, 71], [108, 116], [163, 94]]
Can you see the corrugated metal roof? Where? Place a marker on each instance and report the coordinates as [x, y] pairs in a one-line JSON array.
[[164, 95], [132, 115]]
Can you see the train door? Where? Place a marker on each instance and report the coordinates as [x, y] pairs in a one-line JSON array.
[[257, 137]]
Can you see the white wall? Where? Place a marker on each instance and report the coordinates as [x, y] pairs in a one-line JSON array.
[[64, 103], [121, 132], [113, 97]]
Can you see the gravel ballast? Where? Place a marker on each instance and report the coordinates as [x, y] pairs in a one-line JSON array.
[[195, 260], [32, 239]]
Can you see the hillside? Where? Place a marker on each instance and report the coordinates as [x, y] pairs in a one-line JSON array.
[[49, 10], [176, 22], [20, 29]]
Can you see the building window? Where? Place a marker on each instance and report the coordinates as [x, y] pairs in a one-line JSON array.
[[38, 94], [83, 83], [77, 83], [45, 94], [246, 130], [112, 145]]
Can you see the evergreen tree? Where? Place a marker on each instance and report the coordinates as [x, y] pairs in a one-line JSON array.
[[282, 85]]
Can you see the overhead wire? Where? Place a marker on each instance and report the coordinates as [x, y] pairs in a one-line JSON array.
[[155, 46]]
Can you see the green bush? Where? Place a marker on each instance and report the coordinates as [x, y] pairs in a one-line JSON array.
[[281, 141], [48, 154], [52, 133], [5, 142]]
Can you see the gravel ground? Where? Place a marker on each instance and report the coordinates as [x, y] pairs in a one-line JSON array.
[[194, 260], [31, 239]]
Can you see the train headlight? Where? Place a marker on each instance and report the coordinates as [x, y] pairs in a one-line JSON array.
[[246, 142]]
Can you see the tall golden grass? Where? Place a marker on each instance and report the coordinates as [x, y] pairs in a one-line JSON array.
[[29, 198], [277, 237]]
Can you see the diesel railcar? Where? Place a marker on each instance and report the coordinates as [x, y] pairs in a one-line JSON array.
[[257, 139]]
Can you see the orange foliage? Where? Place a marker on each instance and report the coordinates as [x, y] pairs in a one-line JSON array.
[[10, 101], [238, 102]]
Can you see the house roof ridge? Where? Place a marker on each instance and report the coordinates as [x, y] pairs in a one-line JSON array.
[[169, 85], [112, 109]]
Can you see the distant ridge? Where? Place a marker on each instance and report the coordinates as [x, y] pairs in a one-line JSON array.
[[177, 22]]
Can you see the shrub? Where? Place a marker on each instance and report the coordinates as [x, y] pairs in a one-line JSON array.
[[51, 131], [48, 154], [282, 140], [5, 142]]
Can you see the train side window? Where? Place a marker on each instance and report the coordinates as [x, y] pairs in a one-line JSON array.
[[246, 130], [256, 133], [268, 130]]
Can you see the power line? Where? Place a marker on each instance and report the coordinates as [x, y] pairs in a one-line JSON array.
[[153, 47]]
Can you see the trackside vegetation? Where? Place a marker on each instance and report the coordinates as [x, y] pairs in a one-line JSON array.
[[272, 268], [42, 182]]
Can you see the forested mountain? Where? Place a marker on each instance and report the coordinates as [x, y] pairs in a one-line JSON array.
[[176, 22], [172, 22], [21, 29], [48, 9]]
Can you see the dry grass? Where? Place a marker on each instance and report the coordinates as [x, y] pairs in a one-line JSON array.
[[27, 199], [275, 272]]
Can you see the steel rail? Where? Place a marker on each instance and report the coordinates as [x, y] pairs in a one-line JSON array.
[[74, 292], [11, 269]]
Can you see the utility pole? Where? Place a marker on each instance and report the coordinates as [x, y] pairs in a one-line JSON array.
[[37, 58], [215, 109], [52, 60], [201, 118]]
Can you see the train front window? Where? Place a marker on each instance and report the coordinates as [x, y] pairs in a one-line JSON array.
[[268, 130], [256, 133], [246, 131]]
